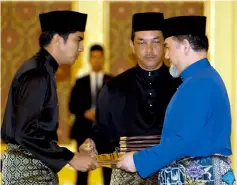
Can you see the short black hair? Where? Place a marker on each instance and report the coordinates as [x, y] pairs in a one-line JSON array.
[[198, 43], [46, 37], [96, 47]]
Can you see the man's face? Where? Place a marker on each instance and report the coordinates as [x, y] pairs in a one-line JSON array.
[[148, 47], [70, 49], [173, 53], [96, 60]]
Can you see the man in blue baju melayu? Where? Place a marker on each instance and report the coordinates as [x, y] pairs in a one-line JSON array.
[[195, 141]]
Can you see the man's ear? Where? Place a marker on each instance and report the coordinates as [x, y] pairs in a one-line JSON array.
[[132, 45], [187, 46], [56, 39]]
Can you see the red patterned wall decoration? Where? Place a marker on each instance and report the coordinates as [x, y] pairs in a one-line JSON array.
[[20, 33], [121, 56]]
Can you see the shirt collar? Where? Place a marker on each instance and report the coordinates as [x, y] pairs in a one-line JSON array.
[[50, 61], [151, 74], [194, 68], [99, 73]]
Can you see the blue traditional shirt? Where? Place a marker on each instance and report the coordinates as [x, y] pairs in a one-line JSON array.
[[197, 121]]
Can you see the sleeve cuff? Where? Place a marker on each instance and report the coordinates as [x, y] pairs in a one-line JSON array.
[[68, 155], [140, 163]]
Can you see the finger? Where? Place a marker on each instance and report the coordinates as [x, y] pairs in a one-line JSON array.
[[88, 141], [93, 164], [121, 158], [92, 154], [93, 167], [93, 143], [83, 170], [96, 152], [87, 145], [119, 165], [86, 148], [96, 164]]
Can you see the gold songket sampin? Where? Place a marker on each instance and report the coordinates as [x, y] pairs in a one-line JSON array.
[[109, 160]]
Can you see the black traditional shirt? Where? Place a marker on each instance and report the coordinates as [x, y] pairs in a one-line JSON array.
[[31, 115], [132, 104]]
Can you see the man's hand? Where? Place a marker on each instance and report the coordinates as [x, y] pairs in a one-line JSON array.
[[83, 162], [90, 114], [127, 163], [88, 147]]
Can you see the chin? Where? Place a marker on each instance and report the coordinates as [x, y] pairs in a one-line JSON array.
[[72, 62], [152, 64]]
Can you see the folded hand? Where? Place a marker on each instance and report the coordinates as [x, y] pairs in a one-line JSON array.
[[83, 162], [88, 147]]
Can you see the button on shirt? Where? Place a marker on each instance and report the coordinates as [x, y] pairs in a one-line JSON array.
[[152, 98]]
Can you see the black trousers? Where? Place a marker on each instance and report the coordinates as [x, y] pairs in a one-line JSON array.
[[82, 177]]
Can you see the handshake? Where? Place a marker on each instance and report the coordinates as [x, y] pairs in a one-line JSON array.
[[85, 159]]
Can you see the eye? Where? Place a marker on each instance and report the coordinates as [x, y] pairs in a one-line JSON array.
[[157, 41], [141, 42]]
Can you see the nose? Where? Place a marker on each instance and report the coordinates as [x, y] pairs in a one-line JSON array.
[[81, 47], [149, 48]]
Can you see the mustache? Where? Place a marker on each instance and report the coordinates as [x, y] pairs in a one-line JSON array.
[[150, 56]]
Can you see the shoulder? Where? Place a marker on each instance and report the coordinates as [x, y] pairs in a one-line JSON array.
[[108, 75], [199, 85], [82, 79], [32, 81], [34, 74], [31, 68], [122, 79]]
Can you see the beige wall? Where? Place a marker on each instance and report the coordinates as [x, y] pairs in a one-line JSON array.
[[234, 84], [222, 29]]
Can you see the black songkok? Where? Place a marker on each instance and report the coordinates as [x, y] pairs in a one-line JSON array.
[[185, 25], [63, 21], [147, 21]]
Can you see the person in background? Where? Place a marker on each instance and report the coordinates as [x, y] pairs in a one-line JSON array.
[[83, 104]]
